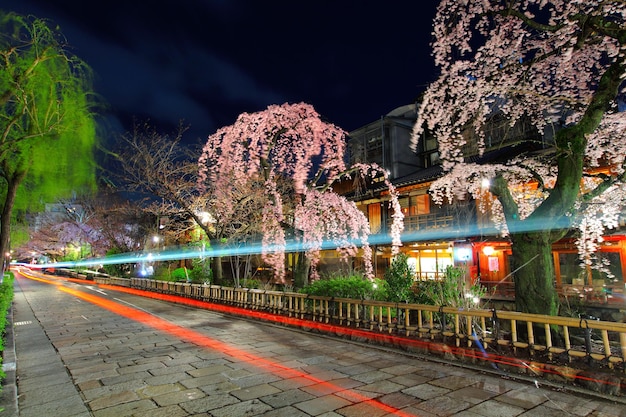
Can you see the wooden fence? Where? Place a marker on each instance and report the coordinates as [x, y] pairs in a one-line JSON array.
[[551, 339]]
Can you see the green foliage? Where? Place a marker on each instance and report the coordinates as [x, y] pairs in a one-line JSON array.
[[355, 286], [46, 116], [116, 270], [201, 271], [20, 233], [6, 298], [251, 283], [163, 273], [179, 274], [452, 291], [399, 278]]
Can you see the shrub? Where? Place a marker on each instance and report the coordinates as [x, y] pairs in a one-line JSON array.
[[201, 271], [163, 273], [179, 274], [355, 286], [453, 290], [399, 278], [251, 283], [116, 270], [6, 297]]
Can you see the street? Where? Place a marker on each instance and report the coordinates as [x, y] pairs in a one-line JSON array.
[[128, 355]]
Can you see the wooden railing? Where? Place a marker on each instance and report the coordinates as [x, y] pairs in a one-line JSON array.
[[426, 221], [613, 295], [553, 339]]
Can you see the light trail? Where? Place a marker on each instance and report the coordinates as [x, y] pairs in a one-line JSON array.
[[249, 248], [200, 339], [255, 248], [383, 339]]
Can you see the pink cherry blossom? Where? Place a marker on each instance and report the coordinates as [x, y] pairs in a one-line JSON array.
[[290, 143], [555, 65]]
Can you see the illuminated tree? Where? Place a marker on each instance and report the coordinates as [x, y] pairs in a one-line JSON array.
[[290, 144], [87, 226], [47, 130], [164, 171], [559, 66], [121, 225]]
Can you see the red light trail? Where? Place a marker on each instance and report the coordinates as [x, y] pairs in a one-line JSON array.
[[207, 342], [379, 338]]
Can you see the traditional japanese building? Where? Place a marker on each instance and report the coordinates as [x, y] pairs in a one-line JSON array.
[[459, 234]]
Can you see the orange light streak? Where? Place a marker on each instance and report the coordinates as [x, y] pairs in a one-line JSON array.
[[383, 339], [207, 342]]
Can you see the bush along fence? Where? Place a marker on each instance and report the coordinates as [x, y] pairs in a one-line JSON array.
[[6, 298], [587, 353]]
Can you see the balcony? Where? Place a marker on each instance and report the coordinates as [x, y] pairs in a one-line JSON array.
[[426, 221]]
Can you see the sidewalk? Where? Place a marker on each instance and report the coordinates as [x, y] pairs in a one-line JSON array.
[[8, 396], [45, 387], [92, 362]]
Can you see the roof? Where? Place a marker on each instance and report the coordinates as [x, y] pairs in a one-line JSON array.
[[432, 173]]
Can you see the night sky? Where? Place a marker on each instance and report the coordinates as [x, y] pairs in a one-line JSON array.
[[206, 61]]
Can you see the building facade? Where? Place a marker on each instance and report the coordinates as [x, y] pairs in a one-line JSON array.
[[460, 235]]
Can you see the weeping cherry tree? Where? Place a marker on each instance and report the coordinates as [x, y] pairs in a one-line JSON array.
[[290, 144]]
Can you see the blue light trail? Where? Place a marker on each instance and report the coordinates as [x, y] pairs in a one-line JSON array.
[[255, 248]]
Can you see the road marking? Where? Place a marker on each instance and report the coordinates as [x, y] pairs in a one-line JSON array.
[[23, 323], [96, 289], [119, 300]]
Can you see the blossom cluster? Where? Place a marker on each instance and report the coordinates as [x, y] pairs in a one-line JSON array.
[[555, 65], [290, 143]]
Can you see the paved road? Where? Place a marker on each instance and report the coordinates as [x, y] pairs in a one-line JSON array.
[[82, 351]]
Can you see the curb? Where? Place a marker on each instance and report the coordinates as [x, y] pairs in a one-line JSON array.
[[8, 396]]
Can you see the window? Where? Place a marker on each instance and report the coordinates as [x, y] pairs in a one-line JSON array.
[[373, 215], [570, 268], [420, 204]]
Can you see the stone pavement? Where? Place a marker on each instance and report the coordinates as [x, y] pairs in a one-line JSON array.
[[75, 358]]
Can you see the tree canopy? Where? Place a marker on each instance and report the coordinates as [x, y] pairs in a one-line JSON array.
[[290, 147], [47, 127], [558, 66]]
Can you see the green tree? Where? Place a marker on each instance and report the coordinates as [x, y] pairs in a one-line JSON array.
[[47, 128], [399, 278]]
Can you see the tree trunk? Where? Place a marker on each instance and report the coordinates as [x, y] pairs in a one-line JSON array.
[[533, 273], [5, 233], [218, 271], [13, 183], [301, 270]]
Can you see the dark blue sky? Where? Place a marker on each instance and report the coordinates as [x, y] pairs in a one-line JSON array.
[[206, 61]]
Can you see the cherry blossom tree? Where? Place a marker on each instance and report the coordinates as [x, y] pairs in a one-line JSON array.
[[559, 66], [98, 224], [291, 144]]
